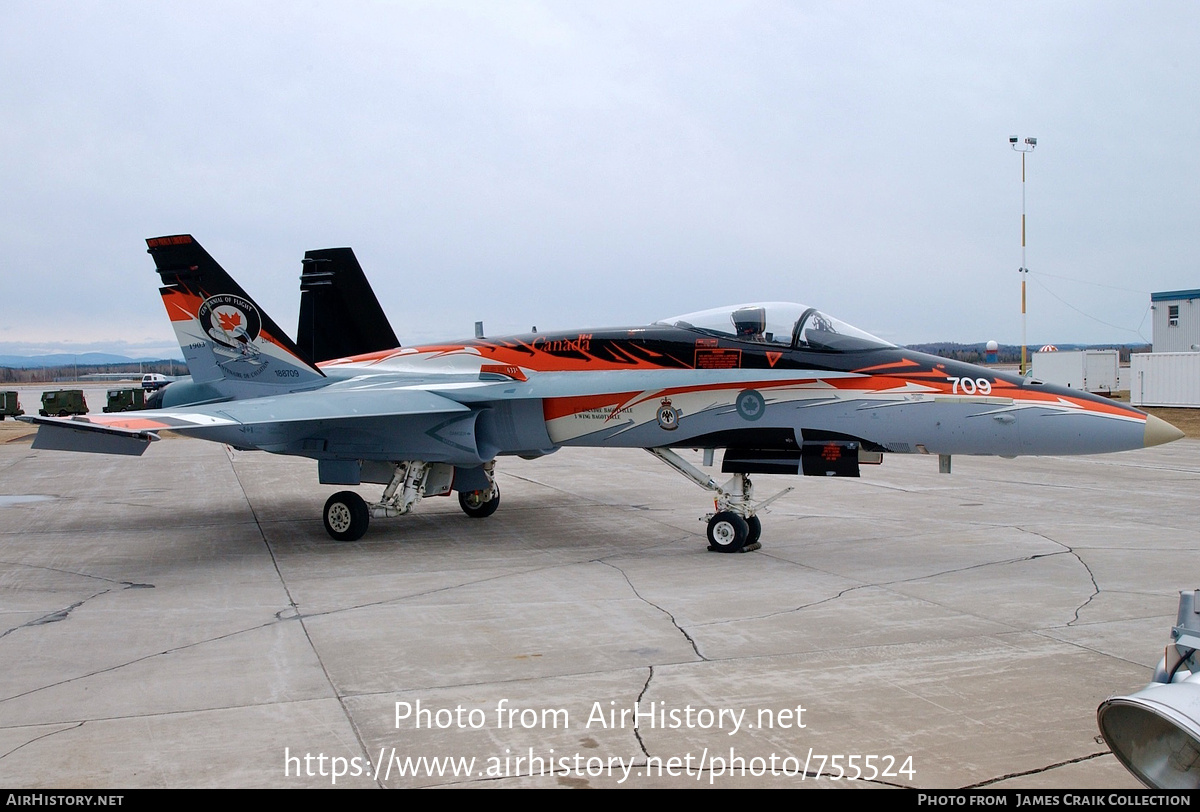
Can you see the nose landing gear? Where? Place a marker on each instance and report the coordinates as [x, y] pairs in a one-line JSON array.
[[728, 532], [734, 527]]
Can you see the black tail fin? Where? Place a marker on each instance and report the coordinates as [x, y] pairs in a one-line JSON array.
[[339, 313]]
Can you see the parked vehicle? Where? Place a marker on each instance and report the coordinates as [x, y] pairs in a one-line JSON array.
[[9, 407], [63, 402], [125, 400]]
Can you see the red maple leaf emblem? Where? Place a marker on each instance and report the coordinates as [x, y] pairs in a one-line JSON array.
[[229, 321]]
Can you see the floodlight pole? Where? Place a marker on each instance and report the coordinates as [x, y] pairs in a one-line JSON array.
[[1024, 147]]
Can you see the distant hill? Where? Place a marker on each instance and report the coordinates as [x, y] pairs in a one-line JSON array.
[[42, 368], [82, 359]]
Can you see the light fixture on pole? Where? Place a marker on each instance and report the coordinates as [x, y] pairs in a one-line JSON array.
[[1023, 147]]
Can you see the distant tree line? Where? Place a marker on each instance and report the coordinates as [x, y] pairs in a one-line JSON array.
[[1011, 353], [52, 373]]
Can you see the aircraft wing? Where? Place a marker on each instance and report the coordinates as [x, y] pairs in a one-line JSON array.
[[294, 414]]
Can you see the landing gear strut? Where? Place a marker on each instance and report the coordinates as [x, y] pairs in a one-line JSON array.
[[408, 486], [734, 527]]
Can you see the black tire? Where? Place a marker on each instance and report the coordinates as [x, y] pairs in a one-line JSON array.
[[755, 529], [473, 505], [346, 516], [727, 532], [63, 413]]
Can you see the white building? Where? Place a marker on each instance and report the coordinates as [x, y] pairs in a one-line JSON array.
[[1170, 375], [1176, 320]]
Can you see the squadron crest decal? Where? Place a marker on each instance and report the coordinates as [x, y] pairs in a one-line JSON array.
[[668, 415], [233, 323]]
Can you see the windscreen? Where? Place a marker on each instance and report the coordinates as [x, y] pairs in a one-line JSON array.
[[781, 323]]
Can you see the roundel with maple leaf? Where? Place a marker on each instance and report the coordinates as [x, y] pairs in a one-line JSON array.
[[230, 320]]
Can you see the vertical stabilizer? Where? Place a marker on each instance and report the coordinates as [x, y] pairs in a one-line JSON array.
[[340, 315], [227, 340]]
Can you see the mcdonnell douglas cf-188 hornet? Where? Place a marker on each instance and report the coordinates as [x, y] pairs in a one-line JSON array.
[[781, 388]]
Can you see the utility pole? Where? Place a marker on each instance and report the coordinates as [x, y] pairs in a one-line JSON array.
[[1023, 147]]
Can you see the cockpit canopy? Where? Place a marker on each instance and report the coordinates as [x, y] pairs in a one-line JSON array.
[[795, 326]]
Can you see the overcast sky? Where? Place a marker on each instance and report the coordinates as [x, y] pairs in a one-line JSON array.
[[571, 164]]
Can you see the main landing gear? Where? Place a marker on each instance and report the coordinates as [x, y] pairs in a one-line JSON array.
[[480, 504], [734, 527], [347, 514]]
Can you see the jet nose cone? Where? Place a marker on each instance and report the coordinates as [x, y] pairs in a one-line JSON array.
[[1159, 431]]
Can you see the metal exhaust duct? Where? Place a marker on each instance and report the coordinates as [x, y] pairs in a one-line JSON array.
[[1155, 733]]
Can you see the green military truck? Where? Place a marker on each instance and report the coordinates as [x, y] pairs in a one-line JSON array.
[[63, 402], [9, 407], [126, 400]]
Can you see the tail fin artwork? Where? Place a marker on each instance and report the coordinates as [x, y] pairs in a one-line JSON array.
[[340, 315], [227, 340]]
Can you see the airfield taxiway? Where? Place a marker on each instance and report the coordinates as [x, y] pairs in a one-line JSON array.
[[182, 619]]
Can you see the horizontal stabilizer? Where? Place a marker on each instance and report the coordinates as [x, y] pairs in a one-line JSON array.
[[59, 434]]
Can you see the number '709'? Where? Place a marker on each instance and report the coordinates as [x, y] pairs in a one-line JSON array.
[[970, 386]]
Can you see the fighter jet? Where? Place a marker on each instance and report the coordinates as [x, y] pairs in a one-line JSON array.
[[781, 388]]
